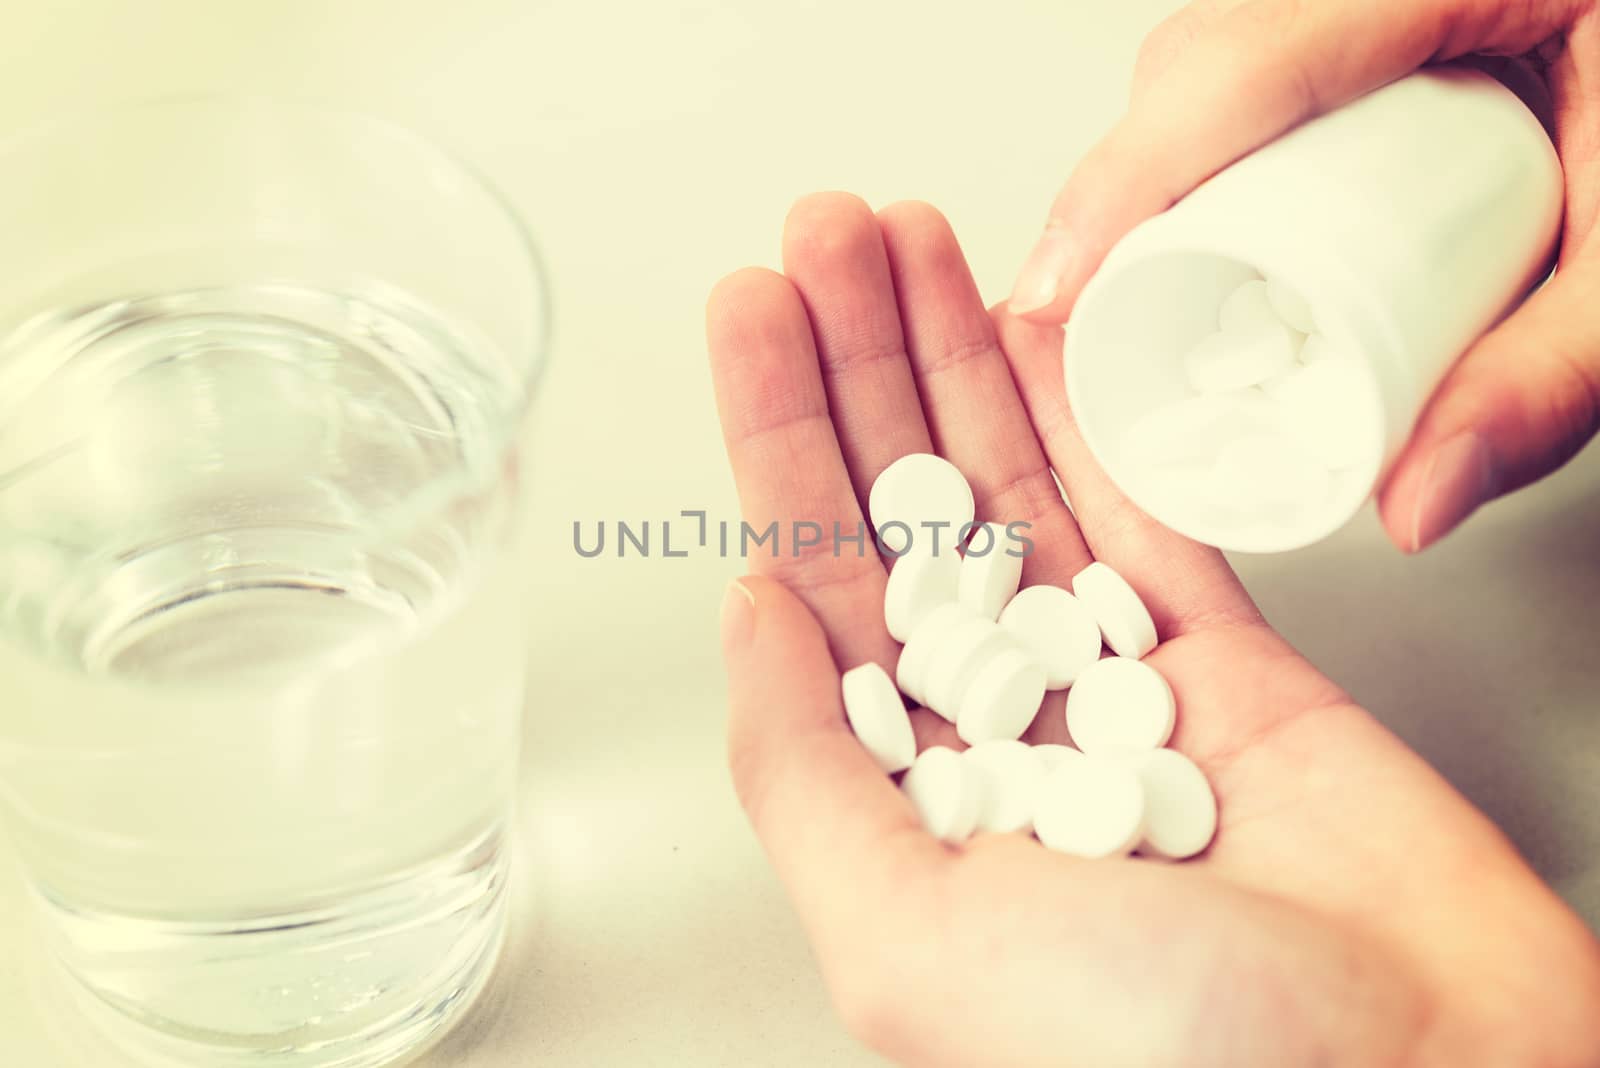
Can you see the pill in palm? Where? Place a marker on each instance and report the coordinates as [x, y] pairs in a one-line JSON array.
[[920, 581], [917, 658], [1057, 629], [1247, 308], [957, 659], [1292, 309], [990, 570], [1002, 698], [1052, 755], [878, 717], [1090, 807], [1124, 621], [917, 490], [1120, 704], [1180, 811], [1010, 772], [1227, 360], [945, 791]]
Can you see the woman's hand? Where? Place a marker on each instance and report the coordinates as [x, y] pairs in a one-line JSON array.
[[1222, 77], [1353, 909]]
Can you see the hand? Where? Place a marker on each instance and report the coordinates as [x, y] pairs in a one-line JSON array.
[[1223, 77], [1353, 909]]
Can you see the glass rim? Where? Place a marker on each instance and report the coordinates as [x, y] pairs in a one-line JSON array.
[[530, 365]]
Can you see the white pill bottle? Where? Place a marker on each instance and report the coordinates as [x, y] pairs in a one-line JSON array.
[[1411, 220]]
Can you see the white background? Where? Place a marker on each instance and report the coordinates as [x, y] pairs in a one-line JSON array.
[[654, 147]]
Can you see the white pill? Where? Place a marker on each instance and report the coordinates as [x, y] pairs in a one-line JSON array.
[[1123, 618], [1246, 309], [1184, 432], [1093, 807], [945, 791], [919, 489], [1052, 755], [919, 582], [1056, 629], [878, 717], [990, 575], [1292, 309], [1002, 698], [911, 673], [1010, 772], [1326, 407], [1319, 347], [956, 660], [1120, 704], [1227, 361], [1271, 472], [1180, 811]]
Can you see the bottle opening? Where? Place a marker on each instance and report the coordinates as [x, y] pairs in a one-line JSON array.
[[1227, 401]]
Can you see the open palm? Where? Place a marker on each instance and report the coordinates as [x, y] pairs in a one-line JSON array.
[[1353, 908]]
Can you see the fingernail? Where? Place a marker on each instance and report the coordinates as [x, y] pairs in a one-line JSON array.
[[1460, 477], [738, 615], [1042, 272]]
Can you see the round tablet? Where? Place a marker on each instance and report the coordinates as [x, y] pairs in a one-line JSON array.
[[1009, 772], [1092, 807], [1227, 361], [1123, 618], [1182, 432], [1247, 308], [1293, 310], [1056, 629], [1002, 698], [1318, 347], [956, 659], [1180, 811], [990, 578], [1120, 704], [1052, 755], [916, 489], [911, 673], [945, 792], [878, 717], [919, 582]]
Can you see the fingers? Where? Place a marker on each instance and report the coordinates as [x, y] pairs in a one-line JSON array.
[[1186, 585], [786, 461], [833, 253], [1243, 75], [839, 833], [1519, 404], [1526, 397], [977, 419]]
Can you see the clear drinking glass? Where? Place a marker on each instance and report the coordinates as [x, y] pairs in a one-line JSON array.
[[261, 654]]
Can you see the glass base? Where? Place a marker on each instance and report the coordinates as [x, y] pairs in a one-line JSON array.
[[357, 984]]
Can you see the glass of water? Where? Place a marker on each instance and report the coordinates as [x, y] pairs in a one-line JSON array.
[[261, 656]]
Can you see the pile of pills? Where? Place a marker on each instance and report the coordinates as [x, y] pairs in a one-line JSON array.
[[1268, 426], [981, 653]]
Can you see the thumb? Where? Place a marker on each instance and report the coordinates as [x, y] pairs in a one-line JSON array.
[[818, 802], [1518, 405]]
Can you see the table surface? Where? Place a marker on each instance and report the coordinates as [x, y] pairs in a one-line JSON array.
[[654, 147]]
